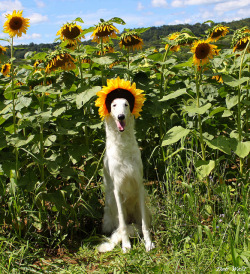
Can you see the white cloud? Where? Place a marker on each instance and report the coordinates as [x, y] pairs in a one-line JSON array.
[[183, 3], [36, 18], [9, 6], [159, 3], [140, 6], [231, 5], [40, 4]]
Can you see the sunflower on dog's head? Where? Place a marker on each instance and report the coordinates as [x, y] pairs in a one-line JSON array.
[[119, 88]]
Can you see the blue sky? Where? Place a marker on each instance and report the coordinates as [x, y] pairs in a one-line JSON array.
[[48, 16]]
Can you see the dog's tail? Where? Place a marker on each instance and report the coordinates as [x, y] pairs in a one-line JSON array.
[[116, 238]]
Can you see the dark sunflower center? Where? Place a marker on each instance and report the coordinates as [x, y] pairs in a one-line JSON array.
[[71, 33], [202, 51], [120, 93], [1, 51], [241, 45], [103, 33], [132, 42], [16, 23], [5, 68], [217, 33]]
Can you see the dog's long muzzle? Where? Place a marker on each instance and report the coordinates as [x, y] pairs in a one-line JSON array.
[[121, 122]]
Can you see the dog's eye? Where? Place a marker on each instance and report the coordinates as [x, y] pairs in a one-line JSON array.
[[126, 105], [114, 105]]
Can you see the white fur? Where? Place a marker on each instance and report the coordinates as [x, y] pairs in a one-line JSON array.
[[125, 195]]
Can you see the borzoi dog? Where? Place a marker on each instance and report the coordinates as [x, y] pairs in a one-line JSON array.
[[125, 212]]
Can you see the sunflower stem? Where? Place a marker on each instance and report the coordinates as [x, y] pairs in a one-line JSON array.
[[80, 65], [239, 106], [101, 65], [203, 151], [13, 103], [128, 56]]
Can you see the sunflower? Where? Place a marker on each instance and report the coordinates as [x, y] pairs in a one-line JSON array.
[[240, 39], [16, 24], [217, 32], [203, 51], [119, 88], [107, 48], [131, 40], [70, 32], [5, 69], [104, 31], [2, 49], [62, 61]]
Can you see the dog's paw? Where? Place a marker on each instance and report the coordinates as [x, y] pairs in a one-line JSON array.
[[105, 247], [126, 246], [149, 246]]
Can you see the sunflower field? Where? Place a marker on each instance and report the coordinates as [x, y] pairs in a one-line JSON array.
[[193, 132]]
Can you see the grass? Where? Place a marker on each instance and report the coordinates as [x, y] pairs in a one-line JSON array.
[[191, 234]]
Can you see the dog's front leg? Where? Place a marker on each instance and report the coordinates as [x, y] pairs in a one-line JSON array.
[[122, 225]]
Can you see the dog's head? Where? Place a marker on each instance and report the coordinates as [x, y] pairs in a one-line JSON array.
[[120, 112]]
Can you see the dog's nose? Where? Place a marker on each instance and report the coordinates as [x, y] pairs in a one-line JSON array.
[[121, 117]]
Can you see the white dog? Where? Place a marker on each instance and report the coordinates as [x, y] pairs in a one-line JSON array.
[[125, 212]]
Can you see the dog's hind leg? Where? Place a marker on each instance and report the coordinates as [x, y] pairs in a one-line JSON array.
[[145, 222]]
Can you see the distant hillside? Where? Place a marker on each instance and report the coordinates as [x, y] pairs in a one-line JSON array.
[[151, 37]]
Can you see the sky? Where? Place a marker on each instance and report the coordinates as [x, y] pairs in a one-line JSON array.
[[48, 16]]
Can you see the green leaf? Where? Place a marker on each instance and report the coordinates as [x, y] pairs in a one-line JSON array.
[[23, 102], [204, 168], [84, 97], [79, 19], [231, 101], [173, 95], [19, 141], [221, 143], [174, 135], [104, 60], [198, 110], [59, 111], [231, 81], [117, 20], [141, 30], [76, 153], [216, 110], [57, 198], [242, 149], [50, 140]]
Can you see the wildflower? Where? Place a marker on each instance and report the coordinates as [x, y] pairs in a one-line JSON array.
[[5, 69], [104, 31], [70, 32], [62, 61], [203, 51], [16, 24], [119, 88], [217, 32], [131, 40]]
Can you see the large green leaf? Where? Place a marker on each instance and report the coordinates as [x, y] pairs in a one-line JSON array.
[[174, 135], [242, 149], [231, 101], [231, 81], [85, 96], [198, 110], [117, 20], [104, 60], [221, 143], [173, 95], [204, 168]]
